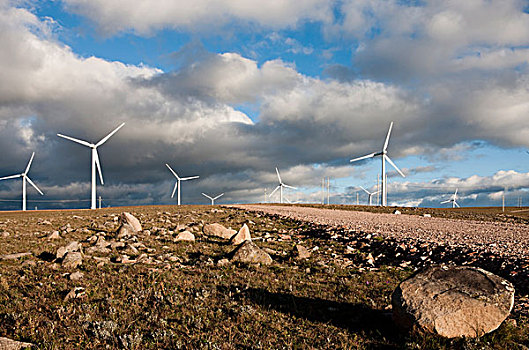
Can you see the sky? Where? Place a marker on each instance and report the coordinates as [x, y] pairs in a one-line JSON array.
[[229, 90]]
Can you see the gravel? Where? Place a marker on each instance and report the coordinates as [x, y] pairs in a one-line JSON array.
[[504, 239]]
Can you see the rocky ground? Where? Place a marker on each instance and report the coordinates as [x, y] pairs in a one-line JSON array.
[[74, 279]]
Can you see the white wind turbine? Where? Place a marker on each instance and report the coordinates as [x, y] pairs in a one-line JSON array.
[[177, 183], [384, 154], [25, 178], [280, 187], [452, 200], [370, 194], [213, 198], [95, 160]]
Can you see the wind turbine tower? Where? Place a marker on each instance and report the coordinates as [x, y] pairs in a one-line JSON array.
[[25, 178], [212, 198], [370, 195], [177, 183], [280, 187], [384, 154], [95, 159]]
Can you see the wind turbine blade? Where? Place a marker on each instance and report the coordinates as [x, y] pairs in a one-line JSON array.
[[29, 163], [387, 137], [371, 155], [289, 202], [10, 177], [84, 143], [393, 164], [103, 140], [189, 178], [98, 166], [172, 171], [174, 189], [455, 193], [364, 190], [220, 195], [457, 205], [205, 195], [279, 177], [274, 191], [292, 187], [444, 202], [32, 184]]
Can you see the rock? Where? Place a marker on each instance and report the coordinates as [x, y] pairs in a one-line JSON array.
[[217, 230], [396, 212], [72, 259], [73, 246], [370, 260], [249, 252], [241, 236], [185, 236], [8, 344], [427, 215], [13, 256], [223, 262], [97, 249], [54, 235], [129, 225], [301, 252], [76, 276], [453, 301], [4, 234], [76, 293]]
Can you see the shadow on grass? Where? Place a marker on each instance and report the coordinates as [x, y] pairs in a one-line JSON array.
[[356, 318]]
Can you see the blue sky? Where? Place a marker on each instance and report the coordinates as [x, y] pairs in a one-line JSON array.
[[228, 91]]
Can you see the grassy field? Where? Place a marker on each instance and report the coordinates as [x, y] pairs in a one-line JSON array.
[[181, 298]]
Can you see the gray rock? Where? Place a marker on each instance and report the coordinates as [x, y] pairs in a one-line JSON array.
[[453, 301], [8, 344], [14, 256], [73, 246], [185, 236], [54, 235], [241, 236], [76, 276], [301, 252], [249, 252], [129, 225], [217, 230], [396, 212], [72, 259]]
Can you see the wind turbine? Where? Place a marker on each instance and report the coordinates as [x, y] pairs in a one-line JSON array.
[[280, 187], [384, 154], [452, 200], [213, 198], [95, 159], [370, 194], [177, 183], [25, 178]]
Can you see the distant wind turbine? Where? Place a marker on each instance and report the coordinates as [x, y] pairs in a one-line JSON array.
[[280, 187], [384, 154], [370, 194], [213, 198], [25, 178], [177, 183], [95, 159], [452, 200]]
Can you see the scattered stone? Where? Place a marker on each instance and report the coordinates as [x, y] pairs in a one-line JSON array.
[[72, 259], [217, 230], [76, 293], [76, 276], [8, 344], [301, 252], [249, 252], [427, 215], [185, 236], [117, 245], [73, 246], [396, 212], [129, 225], [370, 260], [223, 262], [4, 234], [54, 235], [44, 222], [14, 256], [453, 301], [241, 236]]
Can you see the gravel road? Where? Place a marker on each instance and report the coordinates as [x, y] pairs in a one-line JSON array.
[[505, 239]]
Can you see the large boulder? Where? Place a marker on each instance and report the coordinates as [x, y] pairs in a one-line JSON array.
[[453, 301], [241, 236], [73, 246], [72, 259], [217, 230], [249, 252], [129, 225]]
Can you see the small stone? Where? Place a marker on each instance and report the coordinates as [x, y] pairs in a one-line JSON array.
[[4, 234], [14, 256], [54, 235], [8, 344], [223, 262], [76, 293], [301, 252], [241, 236], [396, 212], [217, 230], [185, 236], [370, 260], [72, 259], [76, 276], [129, 225], [249, 252], [73, 246], [427, 215]]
